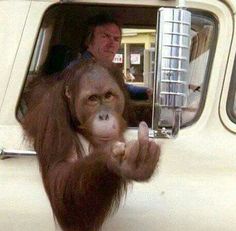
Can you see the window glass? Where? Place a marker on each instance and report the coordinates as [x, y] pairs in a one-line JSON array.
[[234, 107], [136, 57], [231, 102], [59, 43]]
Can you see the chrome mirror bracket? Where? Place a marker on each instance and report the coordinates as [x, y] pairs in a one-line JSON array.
[[171, 69]]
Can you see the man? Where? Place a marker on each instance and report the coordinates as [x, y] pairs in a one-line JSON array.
[[103, 38], [102, 41]]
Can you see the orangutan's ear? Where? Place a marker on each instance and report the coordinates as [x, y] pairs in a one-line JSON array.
[[67, 92]]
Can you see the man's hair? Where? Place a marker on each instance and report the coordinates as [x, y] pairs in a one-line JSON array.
[[95, 21]]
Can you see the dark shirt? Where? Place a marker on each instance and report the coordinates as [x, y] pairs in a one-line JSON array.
[[135, 92]]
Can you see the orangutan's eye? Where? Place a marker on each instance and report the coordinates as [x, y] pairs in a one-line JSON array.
[[109, 95], [93, 98]]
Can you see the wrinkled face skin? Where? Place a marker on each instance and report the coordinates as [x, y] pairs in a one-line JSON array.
[[99, 106], [106, 42]]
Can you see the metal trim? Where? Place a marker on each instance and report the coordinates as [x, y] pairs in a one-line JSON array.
[[4, 154]]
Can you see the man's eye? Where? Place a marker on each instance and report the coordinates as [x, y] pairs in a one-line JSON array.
[[117, 39], [92, 98], [105, 35]]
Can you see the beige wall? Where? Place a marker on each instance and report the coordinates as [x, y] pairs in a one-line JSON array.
[[139, 36]]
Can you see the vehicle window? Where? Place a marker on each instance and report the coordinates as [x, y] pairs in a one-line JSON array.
[[59, 43], [231, 101]]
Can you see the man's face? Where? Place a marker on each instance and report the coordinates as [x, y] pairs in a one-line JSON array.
[[106, 42]]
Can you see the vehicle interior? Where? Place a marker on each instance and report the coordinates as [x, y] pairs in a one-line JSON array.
[[61, 33]]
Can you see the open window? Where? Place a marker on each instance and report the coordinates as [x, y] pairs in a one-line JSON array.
[[60, 36]]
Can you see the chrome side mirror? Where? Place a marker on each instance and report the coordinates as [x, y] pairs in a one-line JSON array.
[[171, 70]]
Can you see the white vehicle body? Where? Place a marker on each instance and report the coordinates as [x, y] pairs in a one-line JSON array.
[[194, 187]]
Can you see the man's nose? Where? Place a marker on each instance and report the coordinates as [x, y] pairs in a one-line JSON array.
[[111, 41]]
